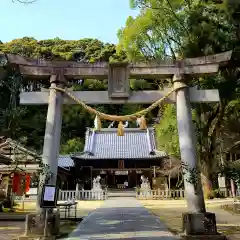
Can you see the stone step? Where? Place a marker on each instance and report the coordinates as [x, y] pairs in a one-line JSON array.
[[121, 193]]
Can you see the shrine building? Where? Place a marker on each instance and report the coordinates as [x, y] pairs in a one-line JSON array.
[[119, 159]]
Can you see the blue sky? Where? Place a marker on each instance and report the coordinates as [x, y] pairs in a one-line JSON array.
[[67, 19]]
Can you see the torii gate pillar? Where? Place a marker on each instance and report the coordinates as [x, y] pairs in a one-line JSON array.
[[187, 144], [52, 136], [196, 221]]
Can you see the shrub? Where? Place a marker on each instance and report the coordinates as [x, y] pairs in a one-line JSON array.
[[2, 199], [208, 194], [218, 194]]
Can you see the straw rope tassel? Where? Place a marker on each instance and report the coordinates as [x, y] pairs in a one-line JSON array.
[[99, 123], [120, 130], [143, 124]]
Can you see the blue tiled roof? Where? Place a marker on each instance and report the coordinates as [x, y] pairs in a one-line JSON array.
[[65, 161], [135, 144]]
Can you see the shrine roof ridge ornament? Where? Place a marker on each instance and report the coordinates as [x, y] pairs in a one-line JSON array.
[[113, 130]]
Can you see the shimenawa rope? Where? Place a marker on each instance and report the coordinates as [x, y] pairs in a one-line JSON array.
[[141, 114]]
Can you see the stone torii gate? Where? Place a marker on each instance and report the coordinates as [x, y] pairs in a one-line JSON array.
[[118, 75]]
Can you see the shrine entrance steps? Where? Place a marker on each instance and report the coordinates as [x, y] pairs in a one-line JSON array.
[[121, 193], [121, 218]]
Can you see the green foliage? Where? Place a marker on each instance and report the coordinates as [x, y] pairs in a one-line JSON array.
[[29, 122], [166, 131], [91, 50], [156, 32], [217, 193], [177, 29], [72, 145]]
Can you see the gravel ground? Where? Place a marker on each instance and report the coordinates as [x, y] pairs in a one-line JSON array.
[[171, 215]]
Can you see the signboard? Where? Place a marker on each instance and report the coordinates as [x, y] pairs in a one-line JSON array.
[[118, 80], [221, 182], [121, 172], [49, 196], [32, 191]]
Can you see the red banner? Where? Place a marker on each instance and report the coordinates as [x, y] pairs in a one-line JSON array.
[[16, 182], [27, 185]]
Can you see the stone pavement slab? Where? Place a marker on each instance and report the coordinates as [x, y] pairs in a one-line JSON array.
[[10, 230], [121, 218], [12, 216]]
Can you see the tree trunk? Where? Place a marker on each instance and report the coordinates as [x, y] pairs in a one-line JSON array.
[[233, 188], [207, 187], [1, 207], [207, 182]]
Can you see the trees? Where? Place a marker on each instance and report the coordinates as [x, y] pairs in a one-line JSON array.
[[215, 33], [177, 29], [166, 131], [154, 33], [72, 145], [28, 122], [91, 49]]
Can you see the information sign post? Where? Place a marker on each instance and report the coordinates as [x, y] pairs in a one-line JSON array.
[[48, 201]]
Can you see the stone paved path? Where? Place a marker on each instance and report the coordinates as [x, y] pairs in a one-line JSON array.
[[121, 218]]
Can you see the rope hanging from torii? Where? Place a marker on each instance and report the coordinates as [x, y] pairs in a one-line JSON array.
[[140, 114]]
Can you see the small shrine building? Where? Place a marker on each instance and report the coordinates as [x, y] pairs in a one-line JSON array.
[[19, 169]]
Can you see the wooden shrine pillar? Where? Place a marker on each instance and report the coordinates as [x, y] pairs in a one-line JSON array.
[[52, 136]]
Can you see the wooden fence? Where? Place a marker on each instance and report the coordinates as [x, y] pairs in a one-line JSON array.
[[173, 194], [82, 195], [160, 194]]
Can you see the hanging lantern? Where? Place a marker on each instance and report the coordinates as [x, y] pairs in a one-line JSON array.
[[120, 130]]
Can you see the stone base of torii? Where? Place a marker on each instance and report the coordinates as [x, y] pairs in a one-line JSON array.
[[197, 221]]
